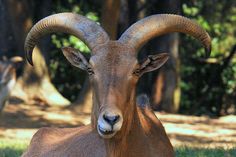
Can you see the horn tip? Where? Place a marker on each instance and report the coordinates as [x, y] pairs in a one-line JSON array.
[[29, 58], [207, 52]]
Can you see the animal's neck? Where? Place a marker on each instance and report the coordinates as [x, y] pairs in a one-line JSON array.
[[129, 141]]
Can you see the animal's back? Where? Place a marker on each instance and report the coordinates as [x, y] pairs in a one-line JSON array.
[[66, 142]]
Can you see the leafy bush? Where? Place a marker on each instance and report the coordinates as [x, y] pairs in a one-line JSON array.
[[209, 86], [60, 68]]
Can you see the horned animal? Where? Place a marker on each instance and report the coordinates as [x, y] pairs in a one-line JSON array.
[[7, 78], [120, 125]]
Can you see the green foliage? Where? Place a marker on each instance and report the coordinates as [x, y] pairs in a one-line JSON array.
[[229, 78], [209, 87], [60, 68]]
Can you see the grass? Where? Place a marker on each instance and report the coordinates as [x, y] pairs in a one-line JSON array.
[[14, 148], [205, 152]]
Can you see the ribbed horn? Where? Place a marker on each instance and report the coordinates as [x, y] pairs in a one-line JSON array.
[[144, 30], [86, 30]]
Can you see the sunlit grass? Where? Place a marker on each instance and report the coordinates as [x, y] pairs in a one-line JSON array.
[[14, 148], [205, 152]]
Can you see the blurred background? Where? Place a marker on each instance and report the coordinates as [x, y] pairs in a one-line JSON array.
[[188, 90]]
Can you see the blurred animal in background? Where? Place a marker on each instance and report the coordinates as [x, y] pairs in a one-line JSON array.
[[8, 69]]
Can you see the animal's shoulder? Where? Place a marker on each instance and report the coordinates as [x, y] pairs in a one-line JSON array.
[[73, 142], [47, 139], [48, 135]]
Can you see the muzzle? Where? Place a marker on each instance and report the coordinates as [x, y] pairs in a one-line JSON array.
[[109, 122]]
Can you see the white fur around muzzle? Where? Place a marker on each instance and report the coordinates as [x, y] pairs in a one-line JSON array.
[[106, 127]]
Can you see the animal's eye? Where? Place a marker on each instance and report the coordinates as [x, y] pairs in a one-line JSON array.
[[90, 71]]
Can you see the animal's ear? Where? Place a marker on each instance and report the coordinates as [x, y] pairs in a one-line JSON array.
[[75, 58], [153, 62]]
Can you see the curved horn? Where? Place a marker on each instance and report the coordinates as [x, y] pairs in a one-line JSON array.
[[86, 30], [144, 30]]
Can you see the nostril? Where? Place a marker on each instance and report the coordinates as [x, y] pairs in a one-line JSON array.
[[111, 119]]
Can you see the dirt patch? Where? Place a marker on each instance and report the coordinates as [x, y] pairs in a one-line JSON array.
[[20, 121], [200, 131]]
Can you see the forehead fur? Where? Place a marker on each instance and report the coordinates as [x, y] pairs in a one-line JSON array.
[[114, 52]]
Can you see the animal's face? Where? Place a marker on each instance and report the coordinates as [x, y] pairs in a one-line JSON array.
[[113, 82], [114, 72]]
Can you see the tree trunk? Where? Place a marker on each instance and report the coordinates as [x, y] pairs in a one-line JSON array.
[[166, 92], [110, 17], [8, 45], [35, 81]]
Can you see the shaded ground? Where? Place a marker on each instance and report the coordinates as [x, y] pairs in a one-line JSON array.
[[20, 121]]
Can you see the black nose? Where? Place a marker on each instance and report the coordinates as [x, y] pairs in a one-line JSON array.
[[111, 119]]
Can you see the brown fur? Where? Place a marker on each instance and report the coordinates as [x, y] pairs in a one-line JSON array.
[[141, 133], [148, 139]]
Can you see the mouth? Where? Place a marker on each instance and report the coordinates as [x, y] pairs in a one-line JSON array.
[[105, 132]]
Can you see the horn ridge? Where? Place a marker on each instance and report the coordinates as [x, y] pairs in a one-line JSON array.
[[81, 27], [155, 25]]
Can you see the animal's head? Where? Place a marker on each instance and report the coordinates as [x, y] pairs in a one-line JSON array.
[[113, 67]]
